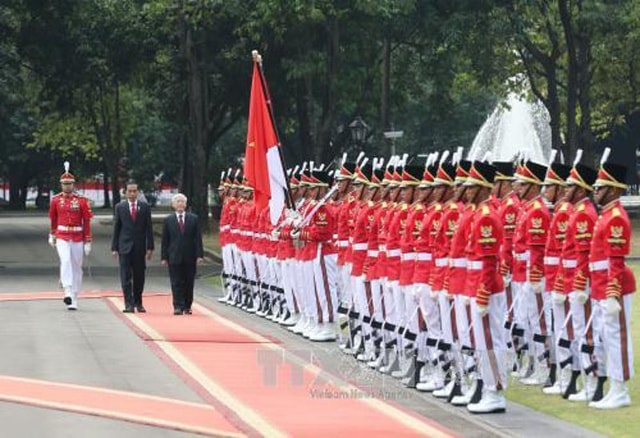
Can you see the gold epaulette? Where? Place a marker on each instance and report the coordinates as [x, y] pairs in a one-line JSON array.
[[537, 204], [615, 212], [485, 210]]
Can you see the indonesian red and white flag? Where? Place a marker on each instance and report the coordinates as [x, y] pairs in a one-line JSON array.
[[263, 165]]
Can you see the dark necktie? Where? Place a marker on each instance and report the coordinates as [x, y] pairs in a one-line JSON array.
[[133, 211], [181, 223]]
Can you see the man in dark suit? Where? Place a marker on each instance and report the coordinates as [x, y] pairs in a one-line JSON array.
[[182, 251], [132, 242]]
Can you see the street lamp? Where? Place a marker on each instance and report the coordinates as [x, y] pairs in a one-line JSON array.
[[359, 131]]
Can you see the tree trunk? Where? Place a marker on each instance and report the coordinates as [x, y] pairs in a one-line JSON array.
[[195, 185], [384, 96], [572, 78]]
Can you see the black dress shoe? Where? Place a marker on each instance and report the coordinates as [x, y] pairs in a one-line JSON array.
[[128, 310], [141, 309], [177, 312], [67, 300], [188, 312]]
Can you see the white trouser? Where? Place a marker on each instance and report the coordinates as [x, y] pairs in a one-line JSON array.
[[324, 274], [491, 342], [578, 321], [560, 332], [70, 254], [377, 296], [431, 315], [599, 337], [346, 291], [287, 268], [462, 321], [617, 342], [411, 308], [445, 304]]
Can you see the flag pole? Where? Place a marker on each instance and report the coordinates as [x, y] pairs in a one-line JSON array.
[[257, 58]]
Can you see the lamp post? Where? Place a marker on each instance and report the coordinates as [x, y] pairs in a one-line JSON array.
[[359, 130]]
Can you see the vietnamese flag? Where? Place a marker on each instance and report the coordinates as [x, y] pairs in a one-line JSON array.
[[263, 165]]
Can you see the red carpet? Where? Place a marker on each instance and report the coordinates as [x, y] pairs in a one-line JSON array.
[[229, 362]]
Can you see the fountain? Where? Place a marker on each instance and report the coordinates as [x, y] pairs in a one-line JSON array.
[[514, 126]]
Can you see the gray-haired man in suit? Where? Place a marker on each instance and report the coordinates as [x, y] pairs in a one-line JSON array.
[[181, 250]]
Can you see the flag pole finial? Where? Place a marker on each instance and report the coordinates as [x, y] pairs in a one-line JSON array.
[[256, 56]]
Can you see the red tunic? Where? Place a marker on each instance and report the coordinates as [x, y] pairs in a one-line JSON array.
[[409, 238], [424, 243], [508, 213], [555, 240], [611, 242], [458, 253], [575, 250], [439, 279], [70, 216], [483, 249]]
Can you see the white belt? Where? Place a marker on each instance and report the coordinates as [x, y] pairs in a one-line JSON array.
[[423, 256], [458, 263], [235, 231], [569, 263], [408, 256], [601, 265], [522, 257], [343, 243], [225, 227], [335, 236], [372, 253], [68, 229], [551, 261], [393, 253], [475, 266], [442, 262], [382, 248], [360, 246]]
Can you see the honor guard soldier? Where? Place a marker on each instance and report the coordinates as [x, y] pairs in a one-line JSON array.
[[612, 282], [529, 240], [554, 193], [488, 303], [70, 233], [575, 277]]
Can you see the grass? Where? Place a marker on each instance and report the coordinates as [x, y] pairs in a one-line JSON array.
[[623, 422]]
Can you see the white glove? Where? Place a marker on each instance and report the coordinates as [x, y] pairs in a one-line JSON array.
[[433, 294], [612, 306], [482, 310], [296, 223], [295, 234], [52, 240], [87, 248], [582, 296], [558, 297], [507, 280], [275, 234], [537, 287], [466, 300]]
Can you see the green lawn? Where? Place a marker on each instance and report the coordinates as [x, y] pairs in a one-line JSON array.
[[623, 422]]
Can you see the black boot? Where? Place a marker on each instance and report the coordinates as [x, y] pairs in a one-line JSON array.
[[599, 392], [551, 380], [477, 395], [571, 387]]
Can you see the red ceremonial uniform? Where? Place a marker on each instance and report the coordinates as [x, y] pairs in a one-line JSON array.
[[424, 243], [575, 250], [508, 214], [70, 216], [458, 253], [530, 238], [483, 249], [442, 244], [555, 241], [394, 237], [409, 238], [611, 242]]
